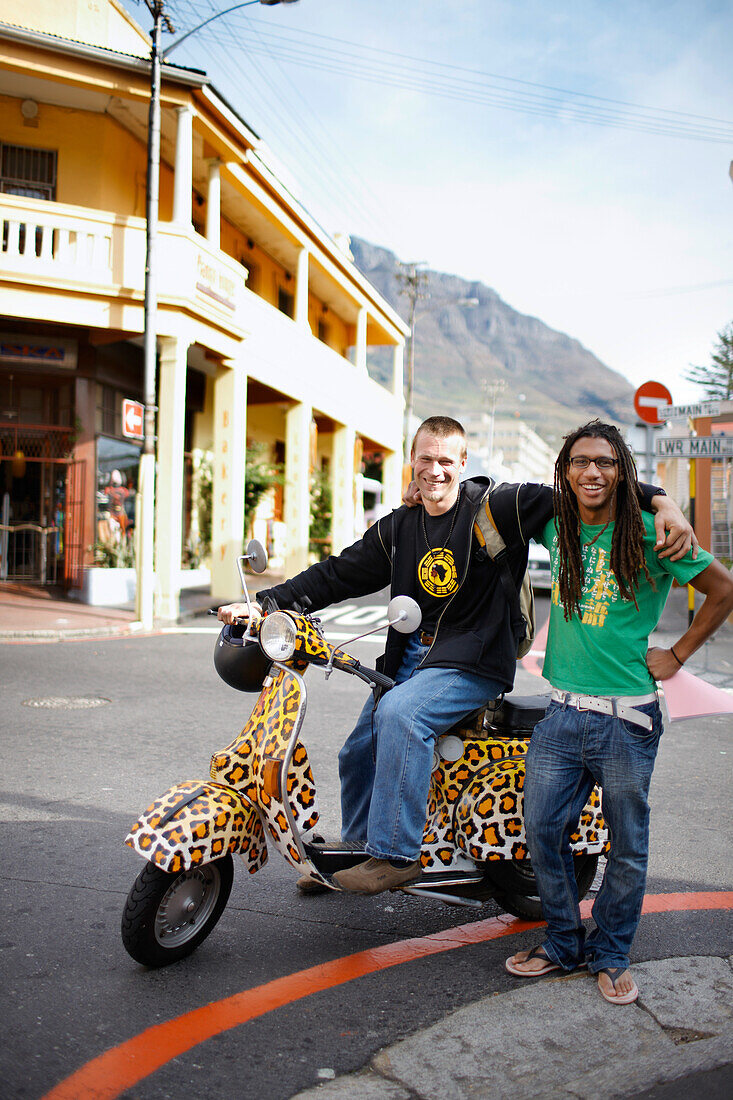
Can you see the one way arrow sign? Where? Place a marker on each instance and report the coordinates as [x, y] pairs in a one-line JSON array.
[[132, 419]]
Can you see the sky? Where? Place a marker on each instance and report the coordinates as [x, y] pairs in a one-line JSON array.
[[572, 156]]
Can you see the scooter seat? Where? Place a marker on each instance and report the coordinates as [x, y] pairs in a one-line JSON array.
[[517, 712]]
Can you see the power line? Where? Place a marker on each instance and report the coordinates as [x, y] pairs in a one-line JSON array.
[[560, 112], [597, 110], [422, 61]]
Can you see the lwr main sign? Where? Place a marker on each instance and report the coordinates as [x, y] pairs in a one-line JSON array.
[[696, 446]]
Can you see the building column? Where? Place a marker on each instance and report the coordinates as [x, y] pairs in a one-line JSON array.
[[183, 168], [297, 487], [173, 352], [213, 204], [342, 488], [230, 458], [392, 468], [361, 340], [301, 288]]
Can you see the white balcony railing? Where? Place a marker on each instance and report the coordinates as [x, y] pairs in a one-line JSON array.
[[45, 238], [51, 244]]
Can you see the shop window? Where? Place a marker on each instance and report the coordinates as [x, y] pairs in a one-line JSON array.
[[285, 302], [27, 171], [108, 418], [117, 474]]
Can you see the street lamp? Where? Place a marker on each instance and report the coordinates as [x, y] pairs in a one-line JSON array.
[[145, 559]]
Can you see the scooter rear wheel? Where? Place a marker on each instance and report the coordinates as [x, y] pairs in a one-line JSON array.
[[167, 916], [518, 884]]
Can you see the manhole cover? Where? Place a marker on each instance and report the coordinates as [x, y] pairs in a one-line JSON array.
[[65, 702]]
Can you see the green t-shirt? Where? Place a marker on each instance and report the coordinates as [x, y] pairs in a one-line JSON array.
[[604, 651]]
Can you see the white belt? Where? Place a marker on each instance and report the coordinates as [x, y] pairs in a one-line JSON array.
[[621, 706]]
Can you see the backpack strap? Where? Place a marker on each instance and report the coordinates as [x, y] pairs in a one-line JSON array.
[[520, 601]]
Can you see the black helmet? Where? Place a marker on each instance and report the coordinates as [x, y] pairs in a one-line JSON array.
[[240, 663]]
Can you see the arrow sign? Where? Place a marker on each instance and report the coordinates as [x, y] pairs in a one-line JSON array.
[[649, 399], [132, 419]]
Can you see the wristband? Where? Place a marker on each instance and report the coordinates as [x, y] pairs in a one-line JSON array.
[[679, 662]]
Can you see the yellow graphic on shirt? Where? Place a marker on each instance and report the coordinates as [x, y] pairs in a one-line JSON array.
[[437, 572], [600, 587]]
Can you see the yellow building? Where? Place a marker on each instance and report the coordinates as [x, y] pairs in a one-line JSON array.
[[264, 323]]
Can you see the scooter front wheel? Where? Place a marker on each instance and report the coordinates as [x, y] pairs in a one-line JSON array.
[[518, 884], [167, 916]]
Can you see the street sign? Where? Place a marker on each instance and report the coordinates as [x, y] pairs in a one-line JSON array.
[[648, 400], [132, 419], [683, 412], [696, 446]]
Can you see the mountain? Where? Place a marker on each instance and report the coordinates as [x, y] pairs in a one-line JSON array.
[[467, 337]]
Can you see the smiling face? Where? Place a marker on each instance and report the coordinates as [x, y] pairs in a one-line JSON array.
[[594, 489], [438, 462]]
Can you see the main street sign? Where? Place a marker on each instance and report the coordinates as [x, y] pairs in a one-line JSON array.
[[132, 419], [648, 399], [682, 412], [696, 446]]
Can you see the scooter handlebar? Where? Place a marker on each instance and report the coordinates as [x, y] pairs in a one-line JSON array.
[[369, 675]]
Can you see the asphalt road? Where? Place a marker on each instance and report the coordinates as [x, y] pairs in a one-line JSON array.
[[72, 782]]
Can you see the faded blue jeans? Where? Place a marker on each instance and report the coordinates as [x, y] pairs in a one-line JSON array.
[[568, 752], [384, 800]]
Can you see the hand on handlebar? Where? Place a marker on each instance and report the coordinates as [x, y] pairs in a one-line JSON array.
[[238, 612]]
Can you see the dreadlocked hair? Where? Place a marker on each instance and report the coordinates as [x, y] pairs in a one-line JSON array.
[[627, 545]]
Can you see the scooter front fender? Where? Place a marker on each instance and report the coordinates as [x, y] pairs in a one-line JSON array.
[[197, 822]]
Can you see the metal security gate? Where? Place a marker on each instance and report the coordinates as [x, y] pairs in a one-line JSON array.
[[74, 524]]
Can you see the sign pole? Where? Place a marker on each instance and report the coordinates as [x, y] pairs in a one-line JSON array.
[[145, 563], [693, 492]]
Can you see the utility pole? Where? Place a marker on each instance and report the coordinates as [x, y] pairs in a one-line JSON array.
[[413, 283], [145, 520], [492, 390]]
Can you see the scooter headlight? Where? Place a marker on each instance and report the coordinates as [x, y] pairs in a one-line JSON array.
[[278, 636]]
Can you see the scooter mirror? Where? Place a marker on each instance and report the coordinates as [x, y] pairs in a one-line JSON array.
[[256, 556], [404, 614]]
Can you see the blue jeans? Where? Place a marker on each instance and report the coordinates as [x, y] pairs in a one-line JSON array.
[[384, 800], [568, 752]]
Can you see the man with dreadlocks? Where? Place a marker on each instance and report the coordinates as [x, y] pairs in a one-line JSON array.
[[603, 723]]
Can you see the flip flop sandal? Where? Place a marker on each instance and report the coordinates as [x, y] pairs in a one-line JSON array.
[[537, 952], [614, 973]]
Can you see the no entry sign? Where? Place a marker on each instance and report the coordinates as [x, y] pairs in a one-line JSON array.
[[649, 399]]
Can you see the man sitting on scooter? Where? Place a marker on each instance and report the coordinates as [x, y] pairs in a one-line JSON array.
[[603, 724], [463, 655]]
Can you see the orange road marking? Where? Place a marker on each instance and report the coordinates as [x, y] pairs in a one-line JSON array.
[[118, 1069]]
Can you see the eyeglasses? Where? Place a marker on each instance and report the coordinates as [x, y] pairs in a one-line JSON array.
[[581, 462]]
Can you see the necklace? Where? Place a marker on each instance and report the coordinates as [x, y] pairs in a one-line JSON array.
[[454, 509], [596, 537]]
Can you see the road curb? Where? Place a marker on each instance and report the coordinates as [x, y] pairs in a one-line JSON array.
[[556, 1038]]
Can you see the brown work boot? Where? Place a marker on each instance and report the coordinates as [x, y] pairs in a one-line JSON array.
[[308, 885], [376, 875]]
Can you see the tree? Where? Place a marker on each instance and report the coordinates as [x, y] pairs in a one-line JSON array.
[[259, 476], [321, 515], [717, 377]]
